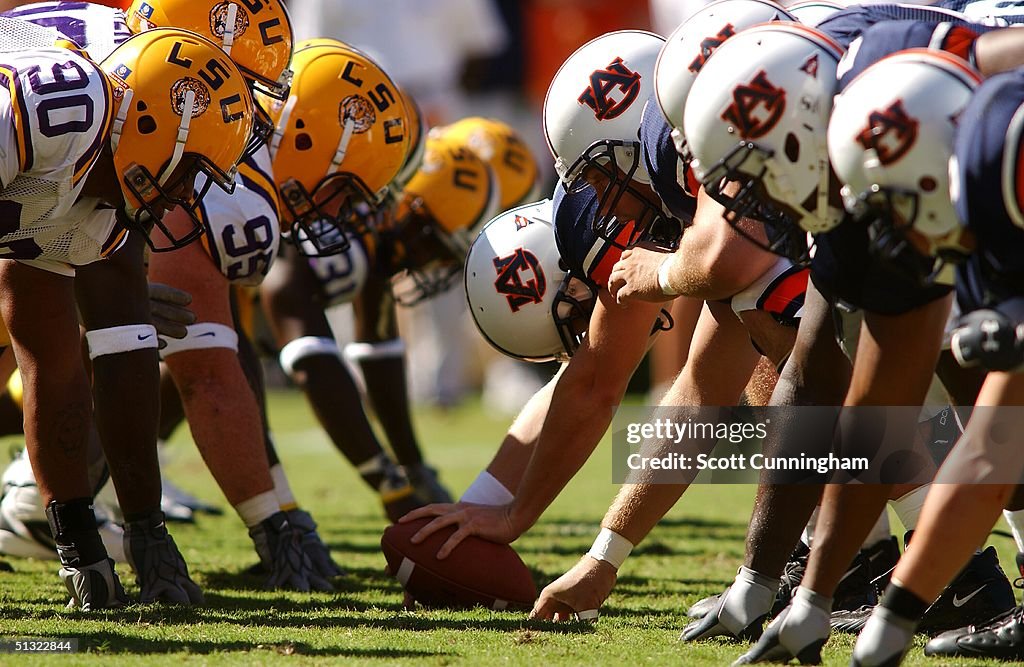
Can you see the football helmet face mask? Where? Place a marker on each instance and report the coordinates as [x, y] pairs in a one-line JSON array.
[[511, 160], [688, 48], [339, 141], [592, 115], [442, 208], [890, 140], [523, 301], [756, 119], [182, 108]]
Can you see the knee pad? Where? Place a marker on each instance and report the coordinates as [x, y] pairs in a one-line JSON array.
[[201, 336], [305, 347], [115, 340]]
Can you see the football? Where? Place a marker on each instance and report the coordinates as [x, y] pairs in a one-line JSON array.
[[478, 572]]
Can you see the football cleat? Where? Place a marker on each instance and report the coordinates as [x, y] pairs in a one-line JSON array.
[[980, 592], [93, 586], [428, 487], [24, 531], [175, 497], [1001, 638], [279, 546], [397, 493], [160, 571]]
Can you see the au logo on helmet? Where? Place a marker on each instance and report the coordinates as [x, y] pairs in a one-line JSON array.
[[603, 82], [219, 19], [756, 107], [708, 46], [890, 132], [510, 281]]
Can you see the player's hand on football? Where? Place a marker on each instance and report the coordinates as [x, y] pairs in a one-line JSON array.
[[168, 308], [491, 522], [635, 276], [584, 588]]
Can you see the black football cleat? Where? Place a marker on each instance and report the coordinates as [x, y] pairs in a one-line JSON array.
[[1001, 638], [980, 592]]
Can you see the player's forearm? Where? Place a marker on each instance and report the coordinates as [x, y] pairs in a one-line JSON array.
[[638, 508], [510, 462]]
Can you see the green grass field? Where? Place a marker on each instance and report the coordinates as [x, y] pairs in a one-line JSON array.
[[693, 553]]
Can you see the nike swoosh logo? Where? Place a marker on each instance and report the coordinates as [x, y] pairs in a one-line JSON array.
[[146, 337], [208, 333], [959, 602]]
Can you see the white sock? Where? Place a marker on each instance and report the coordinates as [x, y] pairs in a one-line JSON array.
[[1016, 521], [285, 498], [261, 506], [880, 531], [808, 535], [908, 506], [487, 490]]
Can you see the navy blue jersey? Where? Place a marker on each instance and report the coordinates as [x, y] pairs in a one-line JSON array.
[[663, 163], [588, 256], [884, 39], [988, 190], [848, 24]]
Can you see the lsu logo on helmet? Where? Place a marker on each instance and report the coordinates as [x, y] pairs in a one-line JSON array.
[[180, 90], [603, 82], [756, 107], [510, 272], [219, 19], [891, 132]]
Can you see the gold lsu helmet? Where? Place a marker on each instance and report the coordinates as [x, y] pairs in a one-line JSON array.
[[182, 108], [499, 145], [256, 34], [441, 210], [339, 141]]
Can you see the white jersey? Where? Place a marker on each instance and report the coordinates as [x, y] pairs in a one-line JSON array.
[[242, 229], [342, 276], [95, 28], [56, 110]]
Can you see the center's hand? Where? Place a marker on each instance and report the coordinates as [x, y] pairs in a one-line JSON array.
[[492, 523], [585, 587]]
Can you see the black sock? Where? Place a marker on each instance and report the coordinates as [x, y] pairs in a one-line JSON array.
[[73, 525], [903, 603]]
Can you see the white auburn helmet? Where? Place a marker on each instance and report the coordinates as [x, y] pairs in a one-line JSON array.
[[593, 106], [757, 115], [891, 137], [812, 13], [523, 300], [689, 47]]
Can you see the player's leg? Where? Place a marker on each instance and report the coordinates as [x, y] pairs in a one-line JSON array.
[[39, 310], [970, 491], [125, 369], [313, 360], [223, 414]]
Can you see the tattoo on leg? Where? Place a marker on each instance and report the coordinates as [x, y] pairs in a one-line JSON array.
[[72, 429]]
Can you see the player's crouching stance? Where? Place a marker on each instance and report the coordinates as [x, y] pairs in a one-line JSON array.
[[981, 472], [82, 142]]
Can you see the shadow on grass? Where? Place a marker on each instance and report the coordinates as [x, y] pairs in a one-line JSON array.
[[112, 643]]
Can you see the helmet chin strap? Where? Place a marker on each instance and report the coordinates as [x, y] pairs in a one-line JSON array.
[[229, 29], [120, 118], [339, 154], [179, 143], [286, 113]]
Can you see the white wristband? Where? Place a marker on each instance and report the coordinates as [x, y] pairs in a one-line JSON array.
[[610, 547], [663, 283]]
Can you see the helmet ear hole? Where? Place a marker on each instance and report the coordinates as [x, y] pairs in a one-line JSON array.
[[303, 142], [140, 106], [147, 124], [792, 147], [300, 124]]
